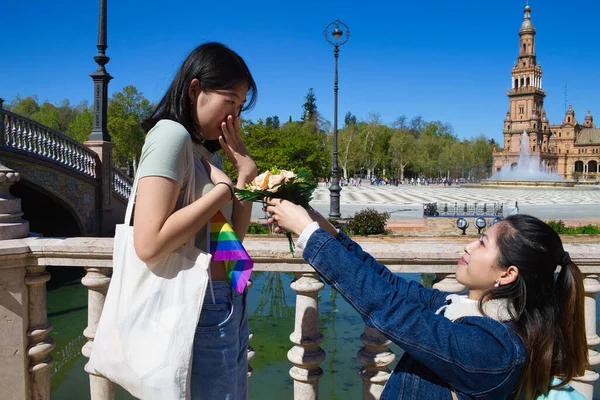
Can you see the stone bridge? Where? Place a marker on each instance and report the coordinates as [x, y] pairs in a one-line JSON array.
[[66, 188]]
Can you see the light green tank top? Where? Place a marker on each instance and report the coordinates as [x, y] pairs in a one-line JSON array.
[[166, 153]]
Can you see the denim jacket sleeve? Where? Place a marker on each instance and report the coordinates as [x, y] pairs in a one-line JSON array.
[[474, 355], [433, 299]]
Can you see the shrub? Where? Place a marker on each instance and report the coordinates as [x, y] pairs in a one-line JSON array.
[[257, 229], [560, 228], [367, 222]]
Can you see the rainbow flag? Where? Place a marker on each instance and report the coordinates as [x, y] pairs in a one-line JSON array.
[[225, 246]]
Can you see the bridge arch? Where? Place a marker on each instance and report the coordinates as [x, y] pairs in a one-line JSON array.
[[47, 213]]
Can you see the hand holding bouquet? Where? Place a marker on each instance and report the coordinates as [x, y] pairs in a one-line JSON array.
[[280, 184]]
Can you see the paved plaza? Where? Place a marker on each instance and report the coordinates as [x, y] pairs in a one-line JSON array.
[[405, 202], [416, 195]]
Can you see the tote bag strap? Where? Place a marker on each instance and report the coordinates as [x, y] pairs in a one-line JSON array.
[[187, 199]]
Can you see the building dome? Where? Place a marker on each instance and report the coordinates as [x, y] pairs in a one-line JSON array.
[[527, 25]]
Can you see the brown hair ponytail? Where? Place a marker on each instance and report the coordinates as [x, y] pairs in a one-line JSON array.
[[548, 313], [571, 354]]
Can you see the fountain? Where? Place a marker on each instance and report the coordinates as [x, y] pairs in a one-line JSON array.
[[529, 171]]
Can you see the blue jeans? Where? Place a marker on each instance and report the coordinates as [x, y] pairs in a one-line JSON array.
[[220, 363]]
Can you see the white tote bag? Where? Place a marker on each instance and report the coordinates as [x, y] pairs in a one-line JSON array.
[[146, 331]]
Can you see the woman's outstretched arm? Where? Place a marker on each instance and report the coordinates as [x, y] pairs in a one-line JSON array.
[[476, 355]]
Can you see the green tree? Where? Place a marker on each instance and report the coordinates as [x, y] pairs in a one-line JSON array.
[[47, 115], [273, 122], [263, 143], [25, 107], [349, 119], [310, 107], [304, 150], [483, 160], [81, 127], [400, 122], [348, 146], [403, 152]]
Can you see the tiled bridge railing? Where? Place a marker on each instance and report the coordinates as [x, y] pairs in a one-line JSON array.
[[26, 344]]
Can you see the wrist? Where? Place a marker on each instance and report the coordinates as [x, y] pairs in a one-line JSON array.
[[229, 187], [247, 174], [243, 180], [302, 225]]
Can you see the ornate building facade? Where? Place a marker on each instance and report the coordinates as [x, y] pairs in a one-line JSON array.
[[569, 149]]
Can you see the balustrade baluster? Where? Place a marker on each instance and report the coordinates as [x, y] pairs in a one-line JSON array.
[[44, 144], [81, 161], [306, 355], [8, 127], [52, 147], [85, 162], [63, 151], [69, 155], [73, 156], [11, 131], [24, 134], [585, 384], [91, 165], [446, 282], [19, 142], [28, 138], [96, 280], [49, 145], [39, 343], [375, 357], [94, 166], [22, 125], [18, 132], [77, 159], [38, 143], [76, 156]]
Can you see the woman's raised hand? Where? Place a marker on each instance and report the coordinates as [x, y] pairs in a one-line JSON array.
[[289, 216], [236, 151]]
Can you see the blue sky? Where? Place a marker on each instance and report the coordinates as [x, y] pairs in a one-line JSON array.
[[444, 60]]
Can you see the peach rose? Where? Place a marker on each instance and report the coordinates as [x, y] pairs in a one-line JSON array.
[[287, 174], [274, 180], [261, 182]]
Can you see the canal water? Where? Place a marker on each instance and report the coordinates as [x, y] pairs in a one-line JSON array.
[[271, 316]]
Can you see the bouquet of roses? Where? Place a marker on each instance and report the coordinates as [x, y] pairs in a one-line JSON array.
[[280, 184]]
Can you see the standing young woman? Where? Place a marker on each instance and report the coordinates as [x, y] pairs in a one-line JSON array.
[[519, 332], [201, 109]]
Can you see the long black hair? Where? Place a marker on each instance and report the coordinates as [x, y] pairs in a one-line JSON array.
[[548, 311], [217, 67]]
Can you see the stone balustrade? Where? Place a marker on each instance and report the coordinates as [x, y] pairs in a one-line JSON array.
[[25, 372], [32, 138]]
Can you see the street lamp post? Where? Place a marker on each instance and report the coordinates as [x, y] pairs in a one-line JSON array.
[[101, 79], [336, 33]]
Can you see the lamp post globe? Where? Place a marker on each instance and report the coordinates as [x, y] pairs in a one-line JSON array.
[[480, 223], [462, 224], [336, 33]]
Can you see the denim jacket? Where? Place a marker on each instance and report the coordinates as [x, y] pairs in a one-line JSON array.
[[477, 357]]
